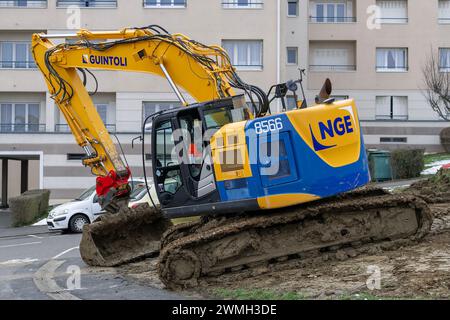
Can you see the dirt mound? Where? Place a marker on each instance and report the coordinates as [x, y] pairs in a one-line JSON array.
[[130, 234], [433, 190]]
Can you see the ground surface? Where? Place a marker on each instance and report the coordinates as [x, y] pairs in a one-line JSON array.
[[37, 264], [420, 271]]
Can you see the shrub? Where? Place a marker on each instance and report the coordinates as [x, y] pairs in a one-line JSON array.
[[445, 139], [29, 206], [407, 163]]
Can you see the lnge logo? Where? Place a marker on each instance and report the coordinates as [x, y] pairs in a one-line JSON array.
[[333, 128]]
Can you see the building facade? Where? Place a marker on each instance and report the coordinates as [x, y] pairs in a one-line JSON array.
[[268, 41]]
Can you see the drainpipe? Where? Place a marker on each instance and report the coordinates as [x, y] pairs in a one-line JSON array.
[[278, 47]]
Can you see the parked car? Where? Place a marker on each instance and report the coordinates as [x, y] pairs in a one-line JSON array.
[[73, 215]]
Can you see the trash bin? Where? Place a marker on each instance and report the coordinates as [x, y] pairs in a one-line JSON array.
[[380, 165]]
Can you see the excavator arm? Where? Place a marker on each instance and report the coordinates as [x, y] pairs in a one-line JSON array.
[[205, 72]]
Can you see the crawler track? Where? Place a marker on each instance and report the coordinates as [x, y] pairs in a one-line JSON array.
[[357, 220]]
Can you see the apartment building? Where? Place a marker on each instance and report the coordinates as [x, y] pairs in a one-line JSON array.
[[268, 41], [34, 136], [376, 55]]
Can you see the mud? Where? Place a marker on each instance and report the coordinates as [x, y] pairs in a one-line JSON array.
[[433, 190], [130, 234], [418, 271], [334, 228]]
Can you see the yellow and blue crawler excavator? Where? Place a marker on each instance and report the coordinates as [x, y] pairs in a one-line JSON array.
[[269, 186]]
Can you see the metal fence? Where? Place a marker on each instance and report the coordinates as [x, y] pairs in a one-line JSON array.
[[88, 3], [64, 128], [165, 3], [332, 19], [22, 127], [332, 67], [23, 3], [253, 4]]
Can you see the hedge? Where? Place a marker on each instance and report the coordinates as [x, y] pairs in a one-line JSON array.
[[408, 163], [445, 139], [29, 206]]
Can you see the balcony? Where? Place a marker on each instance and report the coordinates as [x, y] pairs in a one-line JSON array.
[[23, 3], [332, 11], [243, 4], [165, 3], [391, 20], [64, 128], [15, 64], [332, 19], [389, 117], [387, 68], [331, 67], [21, 128], [332, 56], [87, 3]]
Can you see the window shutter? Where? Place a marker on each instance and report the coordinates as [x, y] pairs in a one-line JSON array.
[[383, 107]]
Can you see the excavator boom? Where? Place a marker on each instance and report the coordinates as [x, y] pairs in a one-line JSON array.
[[205, 72]]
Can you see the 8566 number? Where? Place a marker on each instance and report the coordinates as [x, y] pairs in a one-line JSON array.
[[270, 125]]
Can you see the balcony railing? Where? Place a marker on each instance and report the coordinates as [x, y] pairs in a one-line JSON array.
[[23, 3], [444, 68], [15, 64], [23, 127], [444, 20], [64, 128], [391, 20], [165, 4], [87, 3], [249, 4], [390, 117], [391, 69], [332, 67], [332, 19]]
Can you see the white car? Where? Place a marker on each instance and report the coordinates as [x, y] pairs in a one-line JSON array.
[[73, 215]]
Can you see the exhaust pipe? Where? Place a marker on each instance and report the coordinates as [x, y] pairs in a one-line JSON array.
[[325, 92]]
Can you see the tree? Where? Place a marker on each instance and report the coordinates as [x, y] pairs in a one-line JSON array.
[[437, 86]]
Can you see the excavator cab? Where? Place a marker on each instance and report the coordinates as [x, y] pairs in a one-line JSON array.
[[182, 163]]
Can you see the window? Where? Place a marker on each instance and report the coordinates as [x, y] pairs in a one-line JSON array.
[[165, 145], [393, 11], [165, 3], [444, 11], [242, 4], [332, 59], [76, 156], [16, 55], [393, 140], [391, 108], [332, 12], [23, 3], [292, 8], [20, 117], [392, 59], [87, 3], [339, 97], [244, 54], [444, 59], [150, 108], [292, 55]]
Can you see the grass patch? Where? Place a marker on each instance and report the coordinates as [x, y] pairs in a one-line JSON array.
[[430, 158], [257, 294], [370, 296]]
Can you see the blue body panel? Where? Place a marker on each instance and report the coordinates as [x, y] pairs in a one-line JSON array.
[[307, 173]]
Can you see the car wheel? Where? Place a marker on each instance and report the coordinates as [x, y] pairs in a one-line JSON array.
[[77, 222]]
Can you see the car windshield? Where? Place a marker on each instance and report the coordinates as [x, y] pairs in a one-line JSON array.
[[86, 194]]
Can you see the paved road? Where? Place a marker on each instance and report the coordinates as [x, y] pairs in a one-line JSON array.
[[36, 264]]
